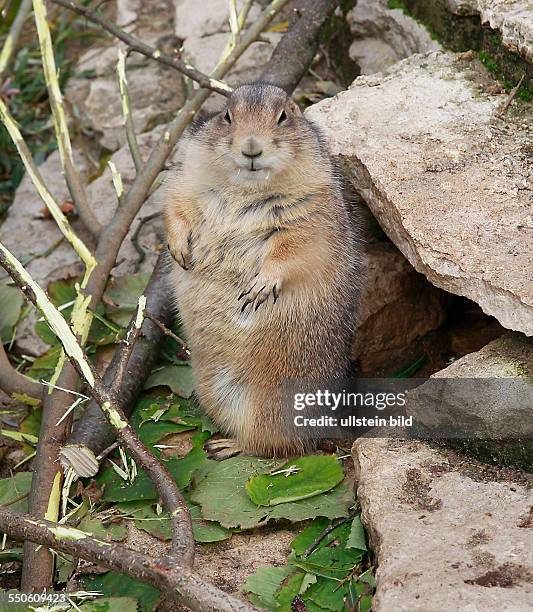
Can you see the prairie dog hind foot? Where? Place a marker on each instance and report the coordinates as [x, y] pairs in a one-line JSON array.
[[223, 448]]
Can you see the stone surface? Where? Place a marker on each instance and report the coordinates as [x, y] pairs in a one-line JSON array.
[[199, 20], [204, 30], [444, 530], [156, 91], [446, 177], [383, 36], [205, 52], [512, 18], [102, 194], [31, 235], [397, 306], [486, 398]]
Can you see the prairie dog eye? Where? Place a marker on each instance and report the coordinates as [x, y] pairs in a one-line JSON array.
[[227, 117], [282, 117]]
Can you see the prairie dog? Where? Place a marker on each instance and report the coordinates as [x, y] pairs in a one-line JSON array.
[[266, 265]]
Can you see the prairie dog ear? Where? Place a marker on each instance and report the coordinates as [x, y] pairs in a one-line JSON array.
[[293, 108]]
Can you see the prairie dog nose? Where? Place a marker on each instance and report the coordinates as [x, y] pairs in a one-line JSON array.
[[251, 148]]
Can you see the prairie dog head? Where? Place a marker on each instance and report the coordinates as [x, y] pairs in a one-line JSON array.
[[260, 136]]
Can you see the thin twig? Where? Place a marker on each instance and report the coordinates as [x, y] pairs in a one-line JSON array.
[[128, 343], [168, 332], [511, 96], [55, 210], [15, 500], [135, 239], [12, 381], [12, 38], [126, 111], [75, 185], [135, 44], [332, 526]]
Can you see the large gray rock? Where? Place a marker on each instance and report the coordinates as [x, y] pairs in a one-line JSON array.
[[513, 19], [384, 36], [397, 306], [483, 402], [447, 179], [445, 532]]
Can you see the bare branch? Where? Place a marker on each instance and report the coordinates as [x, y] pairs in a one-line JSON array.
[[92, 433], [511, 96], [180, 518], [137, 45], [178, 582], [38, 565], [168, 332], [296, 50], [75, 185], [12, 381], [125, 350], [12, 38], [126, 111]]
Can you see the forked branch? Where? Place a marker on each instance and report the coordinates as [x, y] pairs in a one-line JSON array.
[[180, 518], [179, 582], [138, 45]]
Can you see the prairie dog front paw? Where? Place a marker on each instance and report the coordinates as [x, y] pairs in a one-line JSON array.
[[180, 246], [263, 286]]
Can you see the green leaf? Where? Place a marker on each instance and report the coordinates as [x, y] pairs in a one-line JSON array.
[[265, 582], [326, 594], [93, 525], [10, 554], [152, 433], [220, 491], [179, 378], [11, 301], [304, 540], [154, 524], [142, 488], [31, 424], [207, 531], [60, 292], [368, 578], [43, 367], [110, 604], [357, 537], [290, 589], [359, 595], [119, 585], [313, 475], [330, 562], [124, 292], [159, 525], [12, 488]]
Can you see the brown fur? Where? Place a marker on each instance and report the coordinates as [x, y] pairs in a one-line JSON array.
[[282, 231]]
